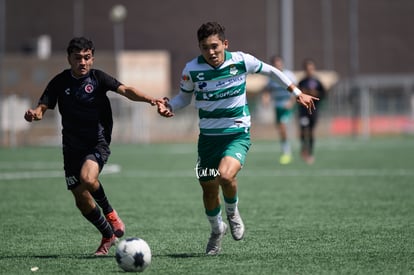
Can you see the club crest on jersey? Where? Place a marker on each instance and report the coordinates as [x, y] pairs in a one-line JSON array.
[[233, 70], [89, 88]]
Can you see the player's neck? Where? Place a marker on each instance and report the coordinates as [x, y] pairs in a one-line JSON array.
[[78, 77]]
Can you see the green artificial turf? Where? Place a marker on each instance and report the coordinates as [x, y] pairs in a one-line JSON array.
[[351, 212]]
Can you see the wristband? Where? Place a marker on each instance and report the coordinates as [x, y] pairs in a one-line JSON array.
[[296, 91]]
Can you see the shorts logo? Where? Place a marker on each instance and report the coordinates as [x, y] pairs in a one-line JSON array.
[[205, 172], [89, 88], [72, 180], [97, 155], [239, 156]]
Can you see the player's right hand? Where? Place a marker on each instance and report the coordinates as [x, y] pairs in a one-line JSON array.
[[307, 101], [31, 115]]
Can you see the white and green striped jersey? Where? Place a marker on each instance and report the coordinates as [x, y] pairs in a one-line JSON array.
[[220, 93]]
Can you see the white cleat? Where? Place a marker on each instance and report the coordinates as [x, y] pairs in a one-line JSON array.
[[236, 225], [214, 243]]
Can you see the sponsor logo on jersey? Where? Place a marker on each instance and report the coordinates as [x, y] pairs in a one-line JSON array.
[[202, 85], [200, 76], [229, 81], [67, 91], [89, 88]]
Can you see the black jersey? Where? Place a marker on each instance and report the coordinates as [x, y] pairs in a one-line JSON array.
[[311, 84], [84, 107]]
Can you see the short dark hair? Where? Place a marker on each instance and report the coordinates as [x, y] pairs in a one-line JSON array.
[[210, 28], [308, 61], [80, 43], [275, 57]]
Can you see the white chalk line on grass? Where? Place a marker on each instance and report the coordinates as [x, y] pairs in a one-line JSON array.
[[114, 168], [45, 174], [280, 173]]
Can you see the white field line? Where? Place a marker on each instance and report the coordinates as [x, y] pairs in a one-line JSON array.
[[44, 174], [46, 171], [279, 173]]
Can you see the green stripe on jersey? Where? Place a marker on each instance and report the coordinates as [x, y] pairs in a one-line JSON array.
[[221, 93], [229, 112], [232, 130], [228, 71]]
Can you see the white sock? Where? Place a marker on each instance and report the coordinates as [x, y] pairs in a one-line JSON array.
[[231, 208], [216, 223], [286, 147]]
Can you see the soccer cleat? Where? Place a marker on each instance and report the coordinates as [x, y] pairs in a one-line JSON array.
[[214, 243], [116, 223], [285, 159], [236, 225], [105, 245]]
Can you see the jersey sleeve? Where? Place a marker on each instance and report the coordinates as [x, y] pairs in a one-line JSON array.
[[108, 82], [50, 94], [186, 83], [253, 65]]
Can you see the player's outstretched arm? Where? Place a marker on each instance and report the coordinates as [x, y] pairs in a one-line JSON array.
[[135, 95], [282, 79], [35, 114], [167, 107]]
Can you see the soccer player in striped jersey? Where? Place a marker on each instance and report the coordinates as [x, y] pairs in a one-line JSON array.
[[284, 103], [217, 79]]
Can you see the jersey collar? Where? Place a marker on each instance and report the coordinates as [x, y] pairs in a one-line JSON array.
[[75, 77]]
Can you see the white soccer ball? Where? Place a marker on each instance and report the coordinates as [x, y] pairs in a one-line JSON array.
[[133, 254]]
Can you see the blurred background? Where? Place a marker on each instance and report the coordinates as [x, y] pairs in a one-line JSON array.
[[363, 51]]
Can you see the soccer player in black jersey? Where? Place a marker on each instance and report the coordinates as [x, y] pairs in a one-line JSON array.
[[310, 85], [80, 93]]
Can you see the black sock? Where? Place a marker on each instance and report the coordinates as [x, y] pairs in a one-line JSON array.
[[100, 222], [102, 200]]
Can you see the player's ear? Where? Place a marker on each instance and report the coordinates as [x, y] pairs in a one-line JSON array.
[[226, 44]]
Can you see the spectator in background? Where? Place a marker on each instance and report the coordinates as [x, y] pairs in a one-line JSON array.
[[310, 85], [283, 102]]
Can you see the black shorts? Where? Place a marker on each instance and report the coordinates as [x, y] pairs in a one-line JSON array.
[[307, 120], [73, 161]]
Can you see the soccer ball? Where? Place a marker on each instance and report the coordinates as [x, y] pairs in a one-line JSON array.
[[133, 254]]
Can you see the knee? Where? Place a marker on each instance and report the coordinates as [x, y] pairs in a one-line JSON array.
[[88, 181], [226, 179]]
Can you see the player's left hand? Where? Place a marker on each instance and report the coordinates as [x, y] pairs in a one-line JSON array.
[[307, 101], [164, 108]]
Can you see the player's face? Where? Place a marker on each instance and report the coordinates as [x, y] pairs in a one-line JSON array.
[[81, 62], [212, 49], [310, 69], [278, 64]]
